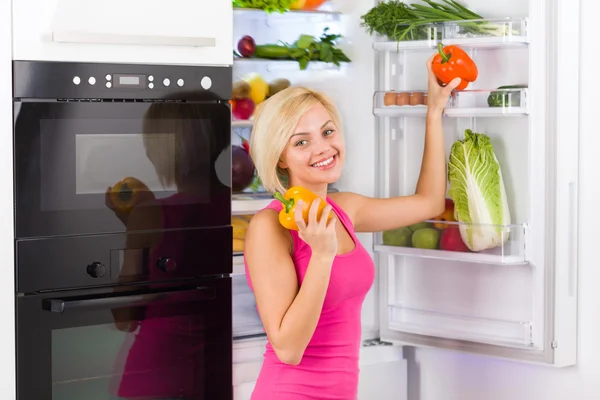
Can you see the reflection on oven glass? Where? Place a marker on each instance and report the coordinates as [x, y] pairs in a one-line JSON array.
[[128, 158], [156, 359]]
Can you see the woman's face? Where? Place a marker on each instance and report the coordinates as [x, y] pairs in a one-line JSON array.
[[314, 155]]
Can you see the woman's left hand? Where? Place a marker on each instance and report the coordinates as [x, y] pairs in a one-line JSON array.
[[437, 95]]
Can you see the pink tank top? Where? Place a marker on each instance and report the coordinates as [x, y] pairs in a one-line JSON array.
[[329, 367]]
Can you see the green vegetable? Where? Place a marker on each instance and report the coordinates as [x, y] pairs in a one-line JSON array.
[[477, 189], [304, 50], [506, 97], [266, 5], [399, 21]]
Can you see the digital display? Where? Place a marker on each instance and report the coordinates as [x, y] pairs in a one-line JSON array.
[[129, 81]]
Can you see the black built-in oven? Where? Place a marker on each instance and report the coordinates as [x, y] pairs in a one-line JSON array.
[[122, 231]]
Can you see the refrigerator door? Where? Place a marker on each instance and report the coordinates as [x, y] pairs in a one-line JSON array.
[[517, 300]]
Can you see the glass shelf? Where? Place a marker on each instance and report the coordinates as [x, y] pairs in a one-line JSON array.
[[249, 203], [443, 240], [465, 103], [481, 33], [458, 327], [283, 65], [289, 17], [246, 123]]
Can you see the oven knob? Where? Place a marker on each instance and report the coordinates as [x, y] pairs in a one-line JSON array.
[[166, 264], [96, 270]]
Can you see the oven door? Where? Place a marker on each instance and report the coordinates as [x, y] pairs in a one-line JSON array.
[[86, 168], [134, 343]]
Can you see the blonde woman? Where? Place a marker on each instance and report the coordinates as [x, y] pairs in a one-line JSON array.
[[310, 284]]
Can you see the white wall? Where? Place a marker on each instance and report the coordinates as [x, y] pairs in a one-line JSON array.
[[7, 290], [437, 375]]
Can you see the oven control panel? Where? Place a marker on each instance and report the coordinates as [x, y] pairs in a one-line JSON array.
[[67, 80]]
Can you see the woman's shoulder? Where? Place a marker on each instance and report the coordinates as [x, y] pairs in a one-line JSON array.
[[346, 202]]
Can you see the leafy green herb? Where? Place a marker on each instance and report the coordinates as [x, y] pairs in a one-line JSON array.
[[305, 49], [399, 21], [269, 6]]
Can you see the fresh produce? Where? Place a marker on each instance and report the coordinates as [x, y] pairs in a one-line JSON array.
[[398, 237], [290, 200], [127, 193], [240, 226], [313, 4], [451, 240], [447, 215], [297, 5], [240, 90], [267, 5], [399, 21], [452, 62], [420, 225], [259, 88], [242, 170], [478, 192], [426, 238], [242, 109], [304, 50], [278, 85], [238, 245], [246, 46], [506, 97]]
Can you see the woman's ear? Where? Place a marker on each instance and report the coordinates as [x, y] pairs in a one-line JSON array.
[[281, 164]]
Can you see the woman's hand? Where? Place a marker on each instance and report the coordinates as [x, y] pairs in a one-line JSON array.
[[437, 95], [319, 235]]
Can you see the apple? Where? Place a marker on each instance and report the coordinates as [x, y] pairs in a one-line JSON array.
[[246, 46], [447, 215], [243, 109], [451, 240]]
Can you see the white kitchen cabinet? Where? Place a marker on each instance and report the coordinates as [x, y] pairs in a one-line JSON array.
[[131, 31]]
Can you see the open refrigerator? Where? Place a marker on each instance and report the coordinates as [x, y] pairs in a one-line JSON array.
[[517, 300]]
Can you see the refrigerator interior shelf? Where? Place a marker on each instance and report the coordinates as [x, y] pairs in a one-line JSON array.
[[465, 103], [245, 123], [238, 264], [284, 65], [289, 17], [249, 203], [481, 33], [458, 327], [442, 240]]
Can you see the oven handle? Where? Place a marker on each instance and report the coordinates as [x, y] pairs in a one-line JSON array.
[[131, 39], [132, 300]]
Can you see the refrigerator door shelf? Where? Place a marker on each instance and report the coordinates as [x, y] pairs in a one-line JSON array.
[[444, 241], [480, 33], [457, 327], [466, 103]]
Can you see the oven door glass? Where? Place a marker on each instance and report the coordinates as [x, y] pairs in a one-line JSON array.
[[160, 343], [90, 167]]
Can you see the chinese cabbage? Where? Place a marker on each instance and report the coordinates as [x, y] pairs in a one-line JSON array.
[[477, 189]]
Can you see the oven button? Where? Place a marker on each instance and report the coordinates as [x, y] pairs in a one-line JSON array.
[[108, 85], [108, 77], [180, 82], [76, 80], [151, 85], [206, 83], [96, 270], [150, 78], [166, 264], [92, 80], [166, 82]]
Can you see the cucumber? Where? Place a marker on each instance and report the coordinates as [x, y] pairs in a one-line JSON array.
[[272, 51], [504, 99]]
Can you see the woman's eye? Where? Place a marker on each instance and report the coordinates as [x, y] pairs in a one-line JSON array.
[[301, 143], [328, 132]]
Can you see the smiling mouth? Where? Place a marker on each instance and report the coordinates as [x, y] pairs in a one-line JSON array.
[[324, 163]]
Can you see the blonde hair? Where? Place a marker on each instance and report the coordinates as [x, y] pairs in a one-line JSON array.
[[274, 123]]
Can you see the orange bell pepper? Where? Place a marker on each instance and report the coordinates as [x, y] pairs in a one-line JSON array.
[[290, 200], [452, 62]]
